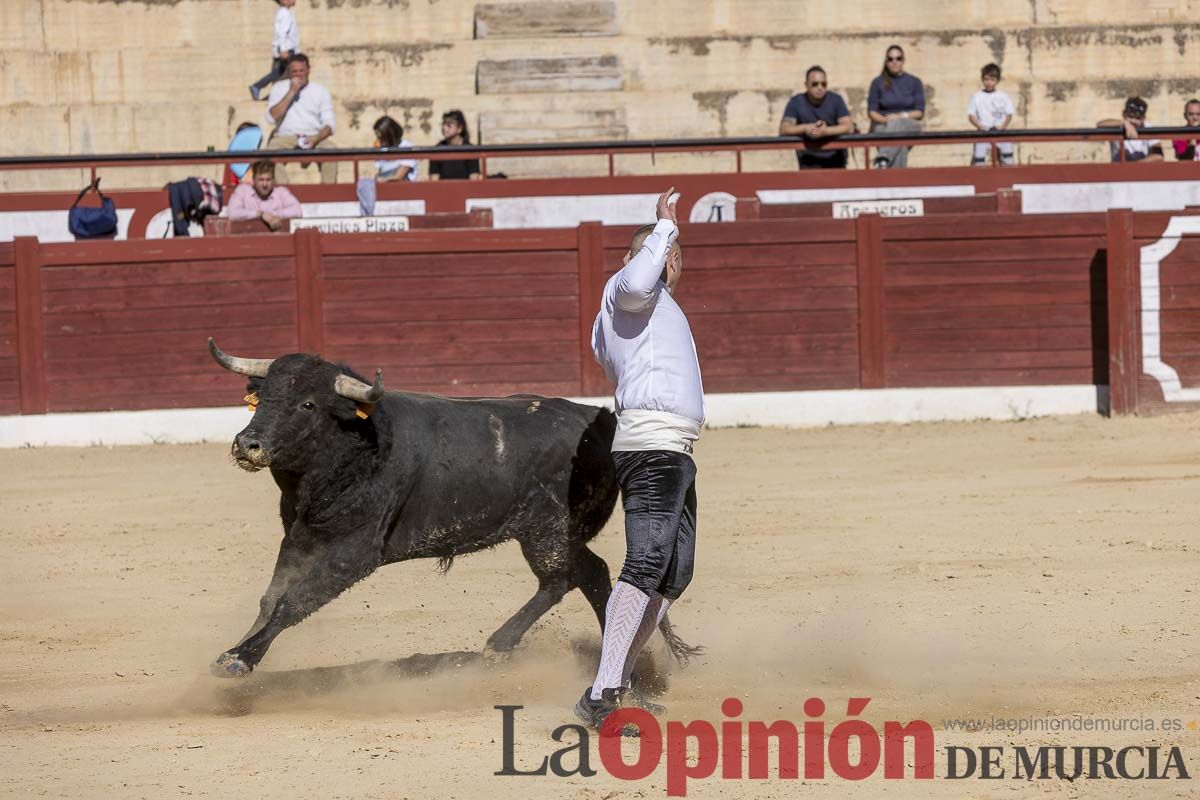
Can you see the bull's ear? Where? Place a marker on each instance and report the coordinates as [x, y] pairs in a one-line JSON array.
[[255, 385], [344, 409]]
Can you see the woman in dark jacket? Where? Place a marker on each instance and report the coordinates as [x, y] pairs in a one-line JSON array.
[[895, 102]]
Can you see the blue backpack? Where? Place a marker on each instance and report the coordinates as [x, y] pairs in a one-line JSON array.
[[90, 222]]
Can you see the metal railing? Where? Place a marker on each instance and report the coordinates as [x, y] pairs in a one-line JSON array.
[[609, 149]]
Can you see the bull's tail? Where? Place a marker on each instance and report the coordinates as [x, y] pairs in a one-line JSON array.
[[680, 650]]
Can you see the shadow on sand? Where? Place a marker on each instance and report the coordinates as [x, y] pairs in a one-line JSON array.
[[239, 696], [265, 689]]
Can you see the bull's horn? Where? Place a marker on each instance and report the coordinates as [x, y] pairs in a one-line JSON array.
[[254, 367], [357, 390]]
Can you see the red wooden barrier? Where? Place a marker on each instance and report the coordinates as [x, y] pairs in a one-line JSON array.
[[456, 312], [10, 386], [1166, 267], [956, 300], [773, 304], [124, 323], [977, 300]]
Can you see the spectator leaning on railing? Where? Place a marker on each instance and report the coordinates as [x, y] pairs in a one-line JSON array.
[[1133, 120], [302, 113], [262, 199], [818, 114], [895, 102], [1186, 149], [389, 134]]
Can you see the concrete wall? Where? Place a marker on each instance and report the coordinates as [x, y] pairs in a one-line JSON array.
[[98, 76]]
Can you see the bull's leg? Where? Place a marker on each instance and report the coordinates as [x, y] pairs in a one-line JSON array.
[[553, 574], [333, 570], [294, 561], [592, 578]]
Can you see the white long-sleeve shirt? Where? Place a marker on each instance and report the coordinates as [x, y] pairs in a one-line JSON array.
[[642, 339], [308, 113], [287, 32]]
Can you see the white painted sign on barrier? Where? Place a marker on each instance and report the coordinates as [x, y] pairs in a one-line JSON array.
[[884, 208], [352, 224]]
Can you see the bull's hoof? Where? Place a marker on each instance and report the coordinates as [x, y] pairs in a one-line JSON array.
[[229, 665]]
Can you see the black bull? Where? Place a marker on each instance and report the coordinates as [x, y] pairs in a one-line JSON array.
[[368, 478]]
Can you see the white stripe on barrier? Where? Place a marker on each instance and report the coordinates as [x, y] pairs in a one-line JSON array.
[[784, 409]]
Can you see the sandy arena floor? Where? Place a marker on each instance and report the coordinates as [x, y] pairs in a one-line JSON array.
[[1037, 569]]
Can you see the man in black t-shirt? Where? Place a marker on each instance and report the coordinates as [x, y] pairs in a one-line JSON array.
[[817, 115]]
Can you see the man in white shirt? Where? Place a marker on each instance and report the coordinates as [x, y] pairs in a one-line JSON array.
[[302, 113], [642, 339], [1133, 121]]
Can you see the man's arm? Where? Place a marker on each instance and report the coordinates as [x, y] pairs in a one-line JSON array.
[[240, 206], [320, 136], [1110, 122], [281, 31], [788, 126], [637, 284], [844, 125], [279, 109], [326, 117]]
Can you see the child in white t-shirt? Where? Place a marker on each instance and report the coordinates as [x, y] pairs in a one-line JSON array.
[[991, 110], [285, 45]]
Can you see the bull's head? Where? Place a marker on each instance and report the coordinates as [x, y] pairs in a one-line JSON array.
[[304, 405]]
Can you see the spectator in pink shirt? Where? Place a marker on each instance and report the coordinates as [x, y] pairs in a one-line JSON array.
[[262, 199], [1186, 149]]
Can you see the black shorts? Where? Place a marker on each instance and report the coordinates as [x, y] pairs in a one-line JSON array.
[[658, 489]]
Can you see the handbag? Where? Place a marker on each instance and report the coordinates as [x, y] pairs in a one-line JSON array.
[[89, 222]]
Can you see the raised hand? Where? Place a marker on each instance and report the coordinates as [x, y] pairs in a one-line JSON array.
[[666, 205]]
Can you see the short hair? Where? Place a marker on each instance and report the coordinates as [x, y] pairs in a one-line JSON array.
[[639, 236], [262, 167], [301, 57], [814, 68], [990, 70], [389, 131], [1136, 106], [1193, 102]]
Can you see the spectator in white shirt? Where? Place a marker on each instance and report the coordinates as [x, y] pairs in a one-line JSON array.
[[285, 45], [389, 134], [991, 110], [642, 339], [1133, 120], [302, 113]]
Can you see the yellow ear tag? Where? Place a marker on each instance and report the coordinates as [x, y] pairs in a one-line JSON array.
[[364, 410], [251, 401]]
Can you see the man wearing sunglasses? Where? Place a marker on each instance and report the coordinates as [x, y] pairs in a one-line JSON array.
[[817, 115]]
